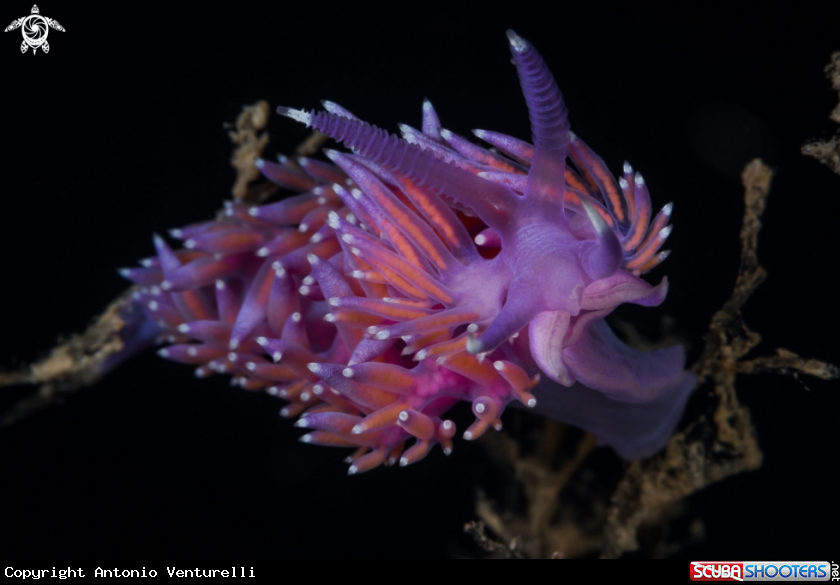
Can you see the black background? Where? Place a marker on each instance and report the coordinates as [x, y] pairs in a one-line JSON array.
[[117, 133]]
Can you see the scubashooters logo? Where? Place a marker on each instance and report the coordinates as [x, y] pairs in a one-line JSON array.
[[763, 571], [35, 29]]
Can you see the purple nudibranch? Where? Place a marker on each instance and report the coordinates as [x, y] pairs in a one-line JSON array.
[[419, 271]]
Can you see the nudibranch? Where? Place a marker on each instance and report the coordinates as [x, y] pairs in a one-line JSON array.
[[415, 272]]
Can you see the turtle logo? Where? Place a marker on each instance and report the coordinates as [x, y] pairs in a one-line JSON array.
[[34, 28]]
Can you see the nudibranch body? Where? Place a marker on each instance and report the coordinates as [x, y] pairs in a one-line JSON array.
[[419, 271]]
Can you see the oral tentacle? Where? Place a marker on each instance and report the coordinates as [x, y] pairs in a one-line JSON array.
[[521, 306]]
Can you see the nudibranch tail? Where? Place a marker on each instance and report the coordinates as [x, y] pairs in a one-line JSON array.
[[419, 272]]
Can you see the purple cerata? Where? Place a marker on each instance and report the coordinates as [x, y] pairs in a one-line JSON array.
[[415, 272]]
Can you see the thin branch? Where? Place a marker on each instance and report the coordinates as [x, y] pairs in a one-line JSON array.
[[80, 361], [249, 185], [828, 151]]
